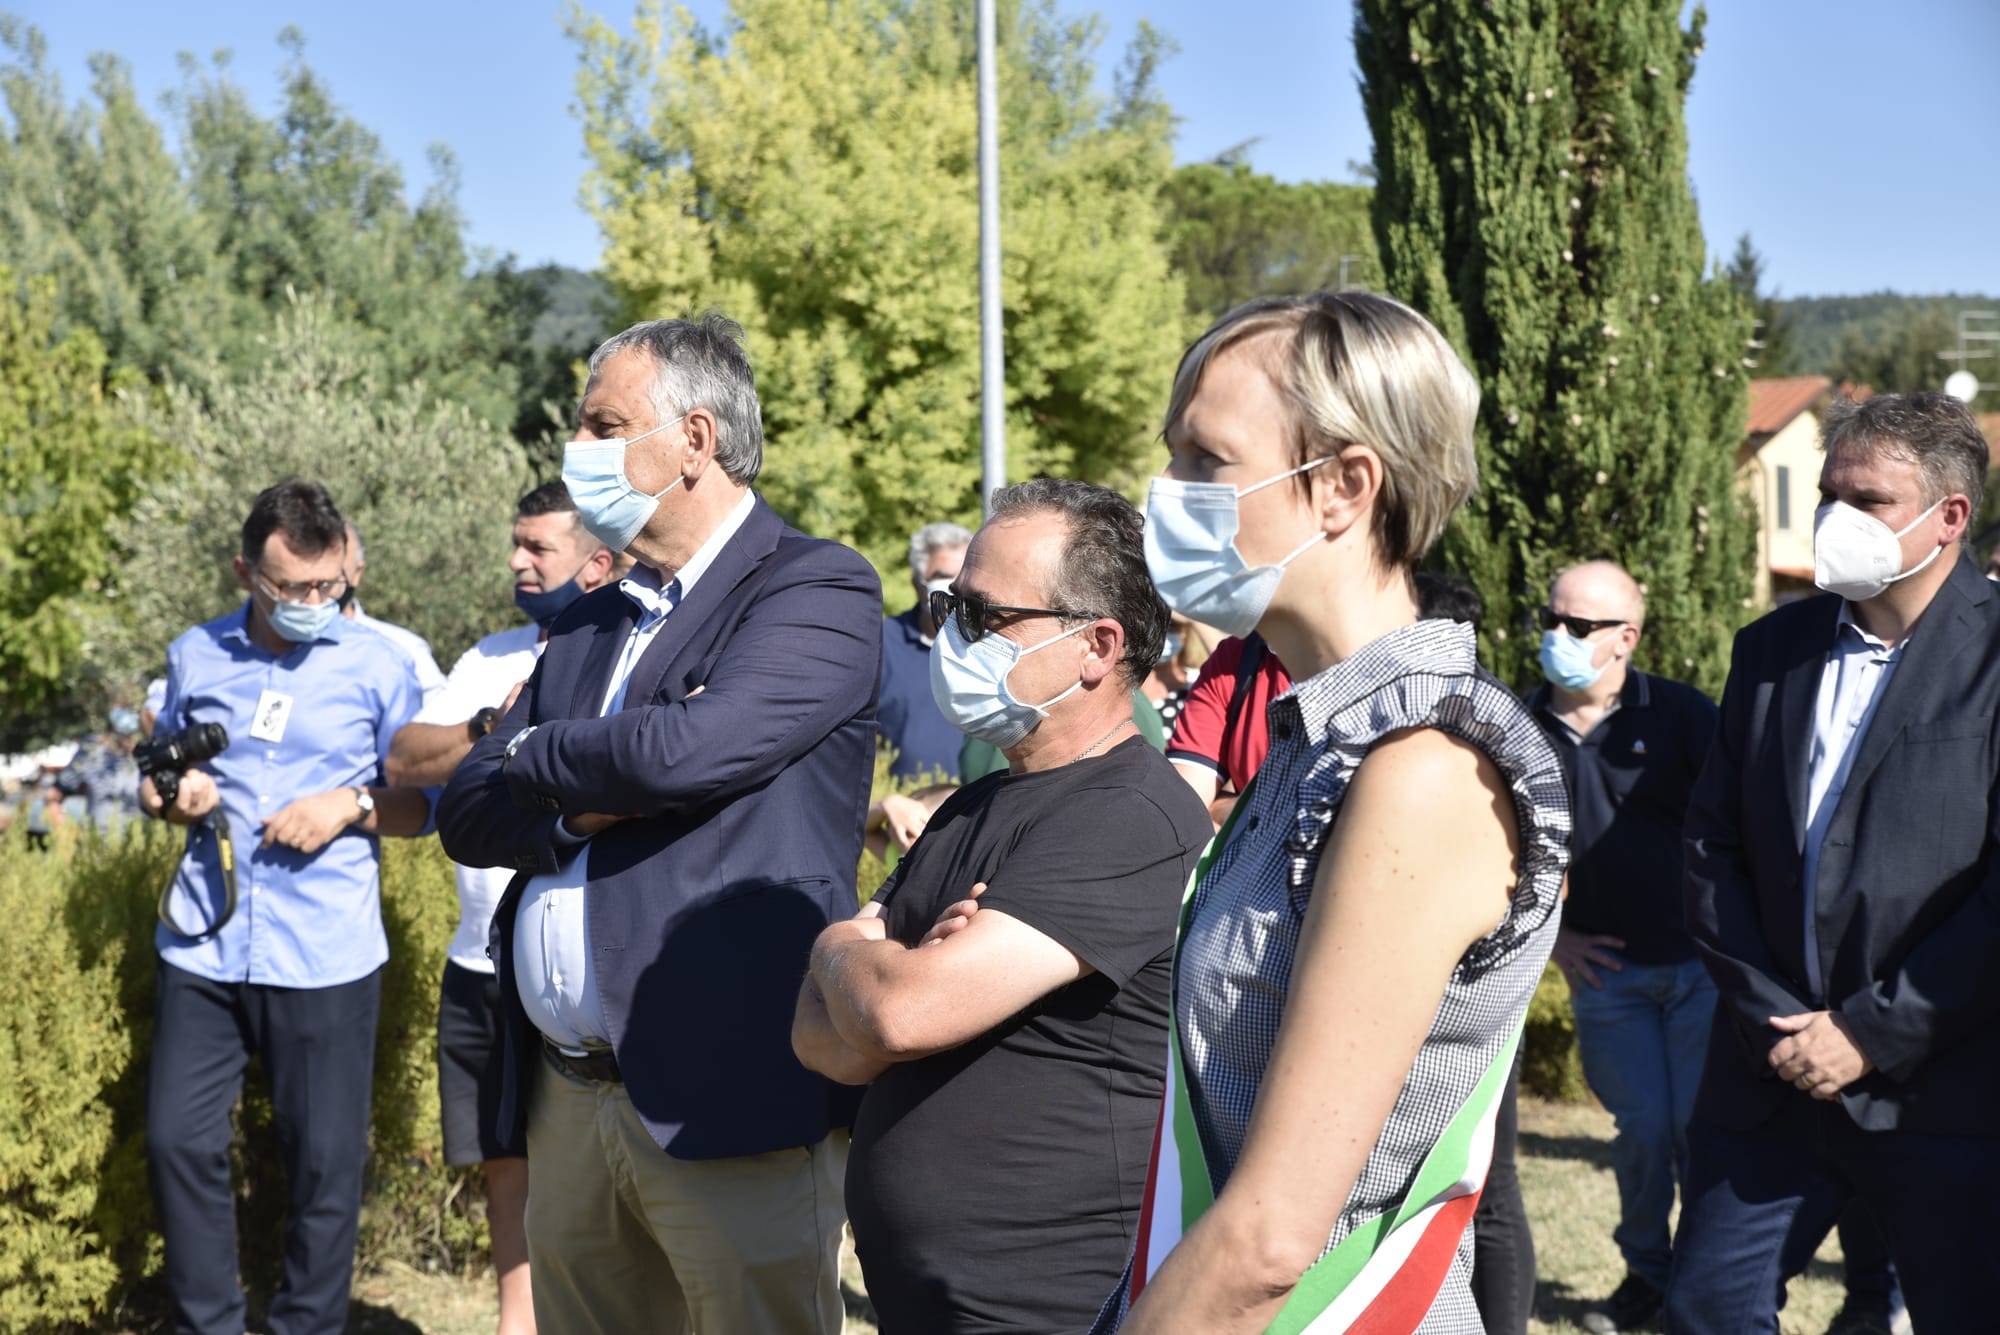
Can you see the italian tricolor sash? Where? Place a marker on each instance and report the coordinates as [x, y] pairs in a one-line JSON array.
[[1383, 1277]]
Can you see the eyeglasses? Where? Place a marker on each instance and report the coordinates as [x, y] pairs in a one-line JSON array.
[[329, 590], [1581, 627], [972, 611]]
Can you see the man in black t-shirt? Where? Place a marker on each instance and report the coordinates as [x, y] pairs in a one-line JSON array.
[[1006, 991]]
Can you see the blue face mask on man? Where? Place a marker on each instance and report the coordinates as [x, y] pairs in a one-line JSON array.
[[1569, 662], [606, 502], [302, 622], [545, 606]]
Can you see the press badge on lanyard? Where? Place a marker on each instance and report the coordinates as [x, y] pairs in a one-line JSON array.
[[273, 712]]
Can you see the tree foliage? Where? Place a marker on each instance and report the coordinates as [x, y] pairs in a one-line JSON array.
[[430, 486], [1234, 234], [1773, 322], [182, 260], [1532, 199], [812, 172], [71, 463]]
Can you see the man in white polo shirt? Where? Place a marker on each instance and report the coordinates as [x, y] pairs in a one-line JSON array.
[[555, 562]]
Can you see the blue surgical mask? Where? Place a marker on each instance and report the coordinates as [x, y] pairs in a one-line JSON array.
[[1171, 649], [606, 501], [969, 684], [1191, 552], [302, 622], [124, 721], [544, 607], [1566, 661]]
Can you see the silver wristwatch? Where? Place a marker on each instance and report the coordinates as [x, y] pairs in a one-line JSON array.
[[365, 800], [514, 743]]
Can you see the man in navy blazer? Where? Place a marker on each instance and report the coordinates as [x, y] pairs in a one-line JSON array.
[[681, 787], [1843, 886]]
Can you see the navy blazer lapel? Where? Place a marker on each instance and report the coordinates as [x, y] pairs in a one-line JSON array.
[[745, 550], [1796, 696], [613, 619], [1943, 632]]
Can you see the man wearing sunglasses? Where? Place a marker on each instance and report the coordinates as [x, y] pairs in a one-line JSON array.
[[1631, 745], [271, 939], [1006, 989]]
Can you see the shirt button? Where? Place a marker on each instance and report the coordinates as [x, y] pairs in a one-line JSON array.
[[1284, 731], [555, 980], [1253, 823]]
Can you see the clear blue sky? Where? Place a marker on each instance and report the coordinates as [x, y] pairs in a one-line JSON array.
[[1858, 142]]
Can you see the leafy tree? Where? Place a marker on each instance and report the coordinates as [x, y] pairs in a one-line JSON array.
[[182, 263], [811, 171], [1233, 234], [1532, 199], [431, 487], [1774, 325], [71, 466], [90, 196]]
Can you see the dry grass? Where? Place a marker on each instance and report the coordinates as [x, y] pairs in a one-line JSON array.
[[1565, 1175]]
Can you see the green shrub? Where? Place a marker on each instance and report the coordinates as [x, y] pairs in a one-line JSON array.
[[1550, 1067], [62, 1039], [77, 974]]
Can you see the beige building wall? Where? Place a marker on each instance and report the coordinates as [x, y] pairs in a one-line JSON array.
[[1782, 477]]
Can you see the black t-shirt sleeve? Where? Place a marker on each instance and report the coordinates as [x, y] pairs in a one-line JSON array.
[[1103, 876]]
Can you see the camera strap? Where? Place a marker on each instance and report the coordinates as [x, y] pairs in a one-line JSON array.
[[217, 824]]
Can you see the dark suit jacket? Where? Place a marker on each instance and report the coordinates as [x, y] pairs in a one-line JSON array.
[[1908, 899], [750, 800]]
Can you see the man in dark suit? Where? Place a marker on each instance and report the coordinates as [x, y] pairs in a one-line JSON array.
[[1844, 890], [681, 787]]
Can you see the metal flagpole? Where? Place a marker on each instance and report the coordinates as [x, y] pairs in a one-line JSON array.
[[992, 364]]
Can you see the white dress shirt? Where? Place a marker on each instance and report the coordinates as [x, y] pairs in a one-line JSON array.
[[1850, 686], [551, 947], [414, 647], [481, 679]]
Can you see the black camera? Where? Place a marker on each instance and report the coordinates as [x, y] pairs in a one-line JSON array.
[[165, 759]]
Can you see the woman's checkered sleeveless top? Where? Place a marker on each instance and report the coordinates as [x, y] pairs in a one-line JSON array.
[[1243, 929]]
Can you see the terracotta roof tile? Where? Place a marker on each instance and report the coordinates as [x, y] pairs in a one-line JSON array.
[[1776, 402]]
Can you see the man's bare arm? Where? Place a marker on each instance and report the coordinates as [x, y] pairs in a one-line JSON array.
[[423, 755]]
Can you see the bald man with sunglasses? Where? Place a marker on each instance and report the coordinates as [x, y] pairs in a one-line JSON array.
[[1631, 745]]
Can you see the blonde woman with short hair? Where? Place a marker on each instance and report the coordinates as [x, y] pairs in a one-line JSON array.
[[1358, 950]]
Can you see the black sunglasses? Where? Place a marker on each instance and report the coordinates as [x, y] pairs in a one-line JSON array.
[[972, 611], [1581, 627]]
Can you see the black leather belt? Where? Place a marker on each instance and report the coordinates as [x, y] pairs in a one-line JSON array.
[[598, 1064]]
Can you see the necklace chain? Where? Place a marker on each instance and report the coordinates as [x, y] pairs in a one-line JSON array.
[[1092, 748]]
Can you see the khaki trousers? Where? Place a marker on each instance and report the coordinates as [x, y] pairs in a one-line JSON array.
[[624, 1239]]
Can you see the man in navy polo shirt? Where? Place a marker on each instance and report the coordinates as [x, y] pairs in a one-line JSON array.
[[925, 741], [1631, 745]]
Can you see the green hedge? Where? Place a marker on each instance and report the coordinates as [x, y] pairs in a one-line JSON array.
[[77, 971], [1550, 1067]]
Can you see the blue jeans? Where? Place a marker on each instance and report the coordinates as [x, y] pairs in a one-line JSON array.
[[1760, 1201], [1643, 1037]]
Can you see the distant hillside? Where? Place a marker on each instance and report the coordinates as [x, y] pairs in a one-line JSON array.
[[579, 313], [1828, 335]]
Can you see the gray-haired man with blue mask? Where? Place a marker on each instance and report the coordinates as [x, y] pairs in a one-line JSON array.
[[679, 790]]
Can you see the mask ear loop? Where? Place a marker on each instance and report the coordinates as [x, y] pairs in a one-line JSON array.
[[1305, 546], [1273, 481], [626, 479], [1918, 567]]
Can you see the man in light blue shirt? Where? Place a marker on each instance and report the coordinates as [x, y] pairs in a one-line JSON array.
[[271, 938]]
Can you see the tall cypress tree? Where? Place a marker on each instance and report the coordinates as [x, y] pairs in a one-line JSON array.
[[1532, 199]]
